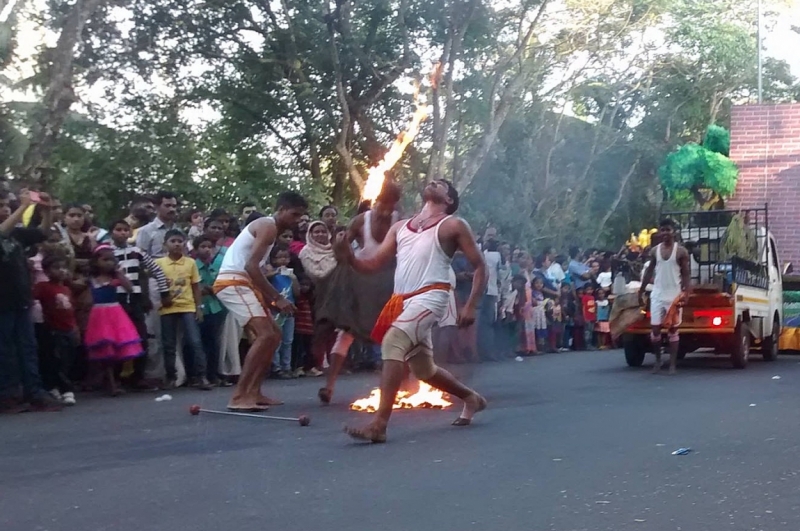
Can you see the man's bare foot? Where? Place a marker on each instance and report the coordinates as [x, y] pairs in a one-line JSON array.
[[325, 395], [657, 366], [246, 407], [473, 404], [672, 370], [262, 400], [374, 432]]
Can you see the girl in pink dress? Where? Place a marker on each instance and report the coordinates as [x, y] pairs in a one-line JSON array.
[[110, 335]]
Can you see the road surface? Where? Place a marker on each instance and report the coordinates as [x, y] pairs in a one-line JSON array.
[[570, 442]]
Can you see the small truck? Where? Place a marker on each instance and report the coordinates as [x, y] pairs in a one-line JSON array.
[[736, 303]]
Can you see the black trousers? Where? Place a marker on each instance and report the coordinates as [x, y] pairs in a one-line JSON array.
[[302, 355], [57, 353], [133, 304]]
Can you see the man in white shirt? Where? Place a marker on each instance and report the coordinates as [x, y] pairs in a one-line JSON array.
[[556, 271], [488, 313], [489, 235], [150, 238]]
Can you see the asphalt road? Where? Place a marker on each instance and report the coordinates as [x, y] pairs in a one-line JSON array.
[[570, 442]]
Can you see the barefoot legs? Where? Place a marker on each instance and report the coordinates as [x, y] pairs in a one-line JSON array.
[[473, 402], [392, 374], [339, 354], [247, 394]]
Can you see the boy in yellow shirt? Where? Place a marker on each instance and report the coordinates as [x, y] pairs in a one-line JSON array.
[[185, 308]]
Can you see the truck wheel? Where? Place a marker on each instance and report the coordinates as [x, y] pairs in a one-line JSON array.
[[740, 347], [769, 346], [635, 349]]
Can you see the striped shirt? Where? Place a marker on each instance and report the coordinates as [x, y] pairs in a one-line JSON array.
[[131, 259]]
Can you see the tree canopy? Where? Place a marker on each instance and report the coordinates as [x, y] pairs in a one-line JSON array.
[[552, 118]]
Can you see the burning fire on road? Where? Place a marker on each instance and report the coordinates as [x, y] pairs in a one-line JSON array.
[[425, 398]]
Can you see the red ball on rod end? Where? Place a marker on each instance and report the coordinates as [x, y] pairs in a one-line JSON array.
[[194, 410], [305, 420]]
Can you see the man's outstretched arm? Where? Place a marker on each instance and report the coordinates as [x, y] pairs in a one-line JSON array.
[[382, 257]]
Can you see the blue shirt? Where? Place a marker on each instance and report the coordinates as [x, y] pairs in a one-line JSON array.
[[208, 274], [283, 285], [603, 312], [546, 281], [576, 270]]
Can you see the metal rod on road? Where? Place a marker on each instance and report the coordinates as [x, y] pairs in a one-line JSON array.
[[304, 420], [252, 415]]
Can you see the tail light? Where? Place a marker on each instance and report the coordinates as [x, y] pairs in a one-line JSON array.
[[717, 317]]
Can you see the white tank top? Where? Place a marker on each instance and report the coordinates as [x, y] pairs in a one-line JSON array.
[[370, 243], [240, 250], [667, 282], [421, 261]]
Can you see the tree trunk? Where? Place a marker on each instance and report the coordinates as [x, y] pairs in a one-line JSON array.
[[615, 203], [59, 95], [342, 147], [452, 50], [508, 100]]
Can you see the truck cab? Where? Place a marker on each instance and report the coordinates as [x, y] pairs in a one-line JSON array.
[[737, 301]]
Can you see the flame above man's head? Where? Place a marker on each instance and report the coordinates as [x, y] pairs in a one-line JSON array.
[[377, 174]]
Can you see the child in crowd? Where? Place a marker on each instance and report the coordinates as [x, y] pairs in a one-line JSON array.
[[51, 246], [286, 237], [602, 327], [539, 315], [208, 264], [214, 231], [285, 282], [134, 263], [555, 324], [567, 300], [185, 307], [589, 306], [578, 321], [302, 355], [509, 313], [58, 351], [518, 289], [110, 336], [196, 223]]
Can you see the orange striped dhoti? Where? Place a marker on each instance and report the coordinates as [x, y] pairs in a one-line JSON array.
[[240, 297], [394, 307]]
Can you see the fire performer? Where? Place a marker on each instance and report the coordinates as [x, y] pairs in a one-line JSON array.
[[423, 247], [245, 292], [349, 300]]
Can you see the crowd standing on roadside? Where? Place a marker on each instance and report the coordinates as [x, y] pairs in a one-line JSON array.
[[129, 305]]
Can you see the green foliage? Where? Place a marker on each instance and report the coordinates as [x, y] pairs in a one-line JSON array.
[[683, 169], [693, 168], [718, 140], [719, 173]]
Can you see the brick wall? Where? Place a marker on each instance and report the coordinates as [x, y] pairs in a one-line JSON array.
[[765, 144]]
